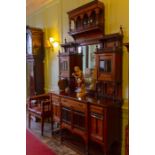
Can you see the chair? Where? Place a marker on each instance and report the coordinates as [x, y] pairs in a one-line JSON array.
[[40, 107]]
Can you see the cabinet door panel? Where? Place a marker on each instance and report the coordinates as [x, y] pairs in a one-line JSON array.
[[66, 115], [96, 126], [105, 67], [79, 120]]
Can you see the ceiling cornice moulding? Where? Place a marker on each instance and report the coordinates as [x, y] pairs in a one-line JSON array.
[[34, 5]]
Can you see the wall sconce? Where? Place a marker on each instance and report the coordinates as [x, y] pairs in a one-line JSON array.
[[53, 43]]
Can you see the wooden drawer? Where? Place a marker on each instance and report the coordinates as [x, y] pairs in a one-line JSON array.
[[55, 98], [65, 102], [75, 105], [79, 106], [96, 109]]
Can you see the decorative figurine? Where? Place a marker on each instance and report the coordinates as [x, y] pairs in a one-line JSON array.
[[78, 76], [81, 91], [63, 85]]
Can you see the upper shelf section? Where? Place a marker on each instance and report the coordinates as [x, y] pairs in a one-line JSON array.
[[69, 47], [87, 22]]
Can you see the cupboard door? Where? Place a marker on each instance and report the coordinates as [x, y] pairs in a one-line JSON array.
[[109, 66], [105, 67], [66, 115], [96, 126], [79, 120]]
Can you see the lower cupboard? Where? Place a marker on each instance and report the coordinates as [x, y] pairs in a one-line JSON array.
[[99, 122]]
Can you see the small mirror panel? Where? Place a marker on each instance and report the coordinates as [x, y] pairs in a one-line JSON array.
[[105, 65]]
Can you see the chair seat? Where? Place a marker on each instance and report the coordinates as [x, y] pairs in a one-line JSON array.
[[40, 107], [38, 110]]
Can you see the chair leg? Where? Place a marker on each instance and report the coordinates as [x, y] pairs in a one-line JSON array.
[[42, 126], [86, 149], [29, 120], [51, 125], [61, 136]]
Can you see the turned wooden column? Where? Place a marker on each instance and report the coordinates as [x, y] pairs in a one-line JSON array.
[[97, 15]]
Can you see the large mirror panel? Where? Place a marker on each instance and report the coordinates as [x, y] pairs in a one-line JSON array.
[[88, 61], [88, 52]]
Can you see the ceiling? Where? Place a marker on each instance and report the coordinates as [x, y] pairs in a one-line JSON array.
[[34, 5]]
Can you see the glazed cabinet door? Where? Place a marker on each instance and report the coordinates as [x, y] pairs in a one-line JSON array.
[[105, 66]]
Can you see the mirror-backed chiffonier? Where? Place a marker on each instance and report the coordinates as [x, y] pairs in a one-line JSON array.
[[96, 116]]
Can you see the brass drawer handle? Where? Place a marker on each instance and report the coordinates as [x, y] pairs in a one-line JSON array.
[[66, 109], [97, 116]]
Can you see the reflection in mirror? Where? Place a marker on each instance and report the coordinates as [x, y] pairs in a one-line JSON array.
[[72, 25], [28, 43], [88, 52], [64, 66], [88, 56]]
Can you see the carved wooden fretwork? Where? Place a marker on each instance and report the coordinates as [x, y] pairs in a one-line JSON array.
[[87, 22]]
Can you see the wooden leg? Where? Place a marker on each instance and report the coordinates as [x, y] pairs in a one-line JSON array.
[[86, 149], [51, 125], [115, 149], [42, 126], [29, 120], [86, 143], [104, 149], [61, 136]]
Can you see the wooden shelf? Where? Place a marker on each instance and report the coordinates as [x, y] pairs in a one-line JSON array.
[[87, 21]]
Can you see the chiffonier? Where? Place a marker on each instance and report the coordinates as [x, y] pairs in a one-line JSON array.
[[95, 117]]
